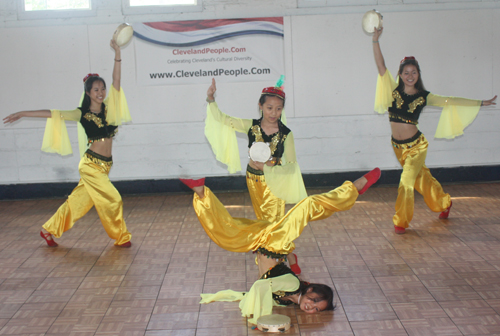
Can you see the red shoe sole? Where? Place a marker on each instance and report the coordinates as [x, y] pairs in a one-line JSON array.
[[445, 214], [371, 178], [51, 243], [193, 183], [127, 244], [295, 267], [399, 229]]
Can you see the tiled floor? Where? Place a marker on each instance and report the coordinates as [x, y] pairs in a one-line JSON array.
[[441, 278]]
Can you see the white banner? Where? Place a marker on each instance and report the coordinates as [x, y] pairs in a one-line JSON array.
[[190, 52]]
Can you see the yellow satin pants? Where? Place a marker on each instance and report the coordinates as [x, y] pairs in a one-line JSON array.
[[265, 204], [243, 235], [411, 155], [94, 189]]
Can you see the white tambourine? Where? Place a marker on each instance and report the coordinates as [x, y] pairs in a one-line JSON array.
[[274, 323], [260, 152], [123, 34], [372, 19]]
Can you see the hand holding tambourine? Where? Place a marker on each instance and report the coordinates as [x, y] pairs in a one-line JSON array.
[[123, 34], [372, 22], [260, 152]]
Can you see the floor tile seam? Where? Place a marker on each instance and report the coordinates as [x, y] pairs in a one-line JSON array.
[[203, 286], [451, 318], [457, 272], [90, 270], [34, 290], [83, 278], [406, 263], [76, 290], [336, 289], [430, 246], [166, 270]]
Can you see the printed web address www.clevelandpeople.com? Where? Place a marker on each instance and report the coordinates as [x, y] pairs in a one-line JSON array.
[[210, 73]]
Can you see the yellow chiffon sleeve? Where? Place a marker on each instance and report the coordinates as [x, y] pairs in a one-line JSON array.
[[285, 180], [259, 300], [117, 107], [383, 93], [457, 114], [55, 137], [225, 295], [220, 130]]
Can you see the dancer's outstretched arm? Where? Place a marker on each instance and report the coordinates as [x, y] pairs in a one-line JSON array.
[[23, 114]]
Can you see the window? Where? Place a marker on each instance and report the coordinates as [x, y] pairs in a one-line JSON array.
[[336, 3], [160, 6], [161, 2], [55, 9], [34, 5]]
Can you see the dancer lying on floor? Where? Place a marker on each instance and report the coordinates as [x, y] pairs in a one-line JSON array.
[[273, 242]]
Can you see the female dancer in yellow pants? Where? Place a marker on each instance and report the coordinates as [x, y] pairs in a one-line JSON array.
[[99, 117], [405, 100]]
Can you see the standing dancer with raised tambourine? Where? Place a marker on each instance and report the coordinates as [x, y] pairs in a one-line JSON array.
[[98, 117], [273, 174], [405, 99]]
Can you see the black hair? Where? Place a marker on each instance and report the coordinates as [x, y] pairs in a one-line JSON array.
[[87, 86], [263, 98], [324, 292], [419, 85]]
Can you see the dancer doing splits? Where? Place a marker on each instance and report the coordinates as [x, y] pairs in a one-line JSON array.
[[405, 99], [99, 118], [275, 182], [273, 242]]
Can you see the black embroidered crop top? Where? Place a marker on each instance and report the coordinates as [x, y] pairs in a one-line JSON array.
[[95, 125], [276, 271], [407, 108], [276, 140]]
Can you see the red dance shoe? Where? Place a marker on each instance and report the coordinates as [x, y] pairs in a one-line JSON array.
[[193, 183], [399, 229], [372, 177], [446, 213], [295, 267], [127, 244], [50, 242]]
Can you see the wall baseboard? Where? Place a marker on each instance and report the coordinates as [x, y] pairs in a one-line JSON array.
[[471, 174]]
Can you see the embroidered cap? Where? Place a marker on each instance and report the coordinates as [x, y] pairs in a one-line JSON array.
[[276, 90]]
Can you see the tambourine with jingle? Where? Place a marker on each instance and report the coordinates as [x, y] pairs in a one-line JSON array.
[[371, 20], [274, 323], [260, 152], [123, 34]]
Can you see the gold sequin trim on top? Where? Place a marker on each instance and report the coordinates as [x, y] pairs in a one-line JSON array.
[[408, 121], [414, 104], [256, 131], [399, 100], [92, 117], [100, 160], [412, 142], [274, 143], [280, 293], [102, 139]]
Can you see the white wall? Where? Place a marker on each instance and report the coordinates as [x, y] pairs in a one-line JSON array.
[[330, 84]]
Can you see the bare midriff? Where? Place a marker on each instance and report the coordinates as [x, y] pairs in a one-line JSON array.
[[265, 263], [402, 131], [102, 147]]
